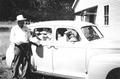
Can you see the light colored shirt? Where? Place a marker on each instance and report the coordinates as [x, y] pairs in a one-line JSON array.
[[19, 35]]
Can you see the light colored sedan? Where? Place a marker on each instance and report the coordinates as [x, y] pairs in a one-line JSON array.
[[63, 50]]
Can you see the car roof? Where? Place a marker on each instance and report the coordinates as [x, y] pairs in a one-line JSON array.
[[59, 23]]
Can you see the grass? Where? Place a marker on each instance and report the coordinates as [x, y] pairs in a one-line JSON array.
[[4, 42], [4, 35]]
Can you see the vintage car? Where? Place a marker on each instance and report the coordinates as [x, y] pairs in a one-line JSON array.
[[74, 50]]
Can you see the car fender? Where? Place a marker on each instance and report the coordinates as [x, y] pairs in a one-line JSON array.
[[99, 66]]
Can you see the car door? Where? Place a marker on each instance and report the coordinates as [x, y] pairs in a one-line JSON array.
[[69, 55], [43, 54]]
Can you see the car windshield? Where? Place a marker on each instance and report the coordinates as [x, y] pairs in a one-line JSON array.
[[91, 33]]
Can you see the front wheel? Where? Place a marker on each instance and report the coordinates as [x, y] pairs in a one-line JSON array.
[[114, 74]]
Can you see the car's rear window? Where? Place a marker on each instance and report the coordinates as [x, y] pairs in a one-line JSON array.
[[43, 33]]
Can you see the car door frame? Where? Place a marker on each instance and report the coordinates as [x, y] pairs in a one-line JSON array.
[[45, 63], [59, 67]]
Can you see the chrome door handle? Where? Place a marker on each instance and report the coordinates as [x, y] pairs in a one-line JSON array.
[[52, 47]]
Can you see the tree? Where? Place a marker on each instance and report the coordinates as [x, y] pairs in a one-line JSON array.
[[36, 10]]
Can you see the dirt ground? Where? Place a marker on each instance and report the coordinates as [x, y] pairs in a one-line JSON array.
[[5, 73]]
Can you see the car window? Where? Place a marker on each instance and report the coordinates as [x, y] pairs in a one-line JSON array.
[[67, 35], [43, 33], [91, 33]]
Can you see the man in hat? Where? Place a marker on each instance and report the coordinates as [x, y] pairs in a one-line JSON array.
[[20, 38]]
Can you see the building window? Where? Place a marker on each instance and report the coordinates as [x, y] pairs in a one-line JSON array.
[[106, 15], [89, 14]]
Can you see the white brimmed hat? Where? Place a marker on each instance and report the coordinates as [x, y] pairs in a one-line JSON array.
[[20, 17]]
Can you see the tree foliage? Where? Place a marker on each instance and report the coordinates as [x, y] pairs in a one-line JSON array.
[[36, 10]]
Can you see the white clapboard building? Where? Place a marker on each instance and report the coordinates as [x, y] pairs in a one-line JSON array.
[[104, 13]]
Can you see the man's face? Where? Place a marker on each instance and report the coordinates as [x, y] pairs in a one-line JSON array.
[[21, 23]]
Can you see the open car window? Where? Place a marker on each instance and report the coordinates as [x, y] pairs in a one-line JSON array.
[[43, 33], [91, 33], [67, 35]]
